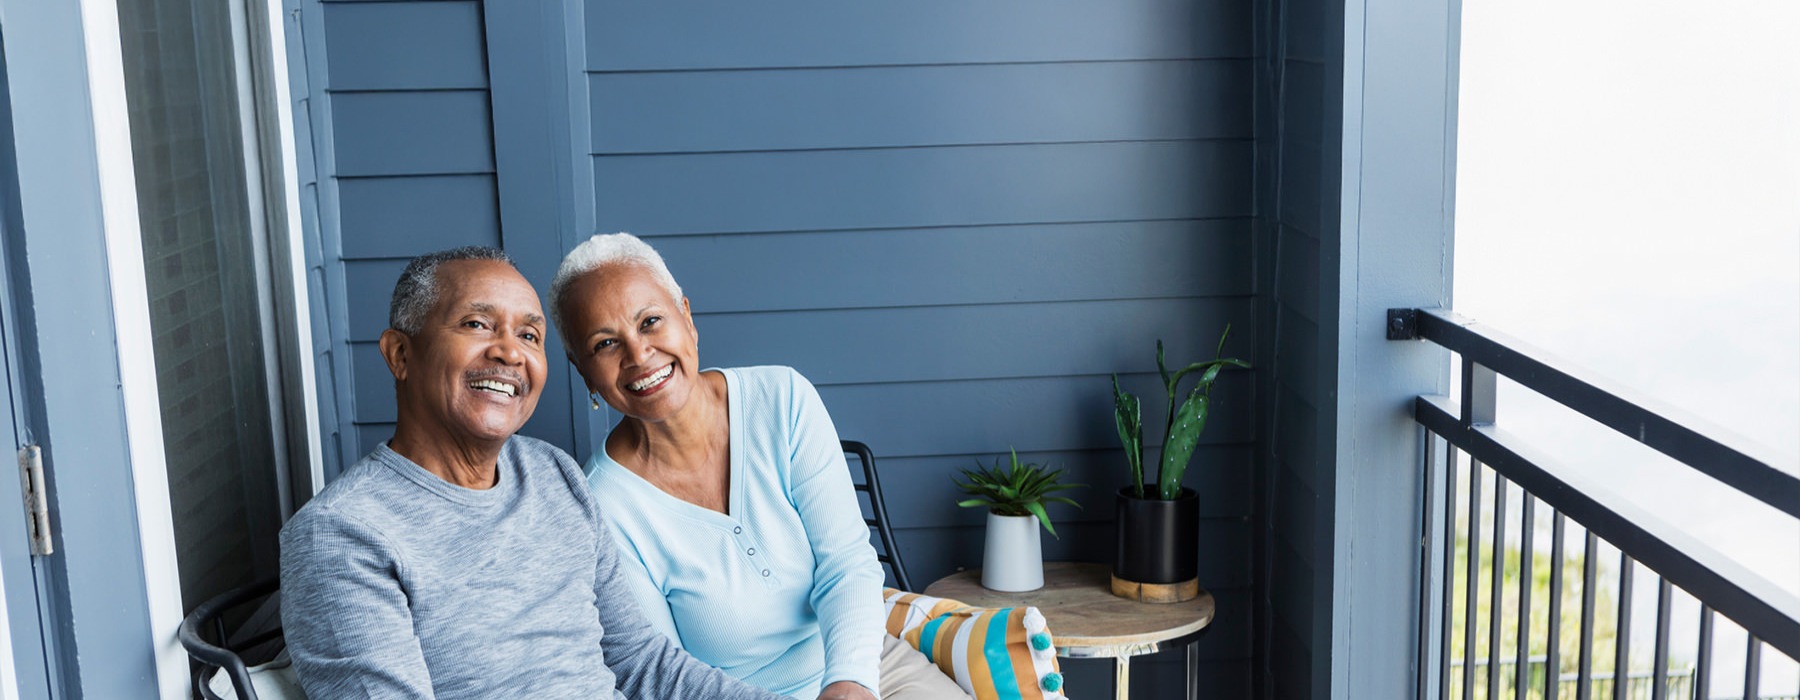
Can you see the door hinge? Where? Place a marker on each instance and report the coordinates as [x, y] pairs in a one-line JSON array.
[[37, 501]]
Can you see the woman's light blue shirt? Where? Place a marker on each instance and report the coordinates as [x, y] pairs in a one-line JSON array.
[[784, 590]]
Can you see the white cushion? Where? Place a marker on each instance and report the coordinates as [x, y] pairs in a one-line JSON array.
[[272, 681]]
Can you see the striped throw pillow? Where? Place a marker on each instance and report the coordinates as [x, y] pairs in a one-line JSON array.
[[993, 653]]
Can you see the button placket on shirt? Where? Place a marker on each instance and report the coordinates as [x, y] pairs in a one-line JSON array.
[[747, 544]]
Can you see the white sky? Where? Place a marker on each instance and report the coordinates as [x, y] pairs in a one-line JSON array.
[[1628, 197]]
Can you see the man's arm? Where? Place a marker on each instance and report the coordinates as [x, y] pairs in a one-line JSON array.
[[346, 620], [647, 664]]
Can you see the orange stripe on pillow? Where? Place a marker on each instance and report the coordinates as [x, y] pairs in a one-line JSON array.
[[1018, 650], [980, 675]]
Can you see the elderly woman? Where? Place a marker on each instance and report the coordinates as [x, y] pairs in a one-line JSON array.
[[728, 492]]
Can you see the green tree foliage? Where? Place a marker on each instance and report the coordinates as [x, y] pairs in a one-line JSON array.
[[1606, 619]]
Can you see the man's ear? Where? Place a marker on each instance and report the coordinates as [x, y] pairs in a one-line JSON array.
[[395, 349]]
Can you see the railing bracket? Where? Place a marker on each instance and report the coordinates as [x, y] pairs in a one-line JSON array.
[[1403, 324]]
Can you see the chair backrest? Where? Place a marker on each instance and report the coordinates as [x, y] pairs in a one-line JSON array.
[[221, 652], [875, 514]]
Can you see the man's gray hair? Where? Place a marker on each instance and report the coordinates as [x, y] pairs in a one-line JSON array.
[[416, 294], [606, 250]]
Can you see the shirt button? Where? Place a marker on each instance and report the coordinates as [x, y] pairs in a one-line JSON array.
[[765, 572], [751, 551], [737, 530]]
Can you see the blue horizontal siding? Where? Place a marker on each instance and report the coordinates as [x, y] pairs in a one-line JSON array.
[[1038, 414], [915, 187], [745, 110], [965, 265], [1222, 471], [628, 35], [413, 133], [399, 217], [405, 46], [972, 342]]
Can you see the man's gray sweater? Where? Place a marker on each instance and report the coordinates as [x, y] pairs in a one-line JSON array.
[[396, 583]]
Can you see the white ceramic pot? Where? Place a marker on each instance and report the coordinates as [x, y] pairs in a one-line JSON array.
[[1014, 557]]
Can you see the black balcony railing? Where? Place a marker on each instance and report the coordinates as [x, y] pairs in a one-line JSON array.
[[1502, 466]]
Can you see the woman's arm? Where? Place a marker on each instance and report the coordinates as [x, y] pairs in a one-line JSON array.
[[846, 576]]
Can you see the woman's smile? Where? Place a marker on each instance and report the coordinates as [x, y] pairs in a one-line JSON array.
[[652, 382]]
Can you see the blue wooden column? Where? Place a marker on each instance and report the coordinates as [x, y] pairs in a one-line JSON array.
[[530, 75]]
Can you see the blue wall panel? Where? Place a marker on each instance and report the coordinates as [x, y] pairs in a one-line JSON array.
[[894, 106], [915, 187], [1064, 339], [991, 265], [392, 217], [988, 416], [629, 35], [405, 46], [413, 133], [930, 500]]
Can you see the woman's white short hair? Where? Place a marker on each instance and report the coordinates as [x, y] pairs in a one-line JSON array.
[[606, 250]]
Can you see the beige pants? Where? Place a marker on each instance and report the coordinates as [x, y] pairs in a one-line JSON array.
[[907, 675]]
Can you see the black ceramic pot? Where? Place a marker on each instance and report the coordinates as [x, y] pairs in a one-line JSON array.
[[1158, 540]]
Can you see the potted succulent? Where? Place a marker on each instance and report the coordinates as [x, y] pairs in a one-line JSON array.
[[1014, 496], [1157, 558]]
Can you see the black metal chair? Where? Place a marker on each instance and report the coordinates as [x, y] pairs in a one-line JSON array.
[[888, 553], [220, 651]]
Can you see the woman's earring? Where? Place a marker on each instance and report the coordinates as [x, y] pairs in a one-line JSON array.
[[594, 398]]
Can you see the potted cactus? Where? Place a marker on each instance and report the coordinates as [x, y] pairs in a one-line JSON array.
[[1013, 559], [1157, 557]]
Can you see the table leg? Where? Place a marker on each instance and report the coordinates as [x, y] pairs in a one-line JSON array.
[[1122, 678], [1193, 671]]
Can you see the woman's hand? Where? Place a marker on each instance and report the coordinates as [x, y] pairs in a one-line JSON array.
[[846, 690]]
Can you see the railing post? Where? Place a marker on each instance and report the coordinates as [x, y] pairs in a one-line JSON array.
[[1622, 631], [1437, 549], [1523, 678], [1585, 671], [1553, 636], [1659, 671], [1703, 656], [1473, 579], [1479, 401], [1496, 586]]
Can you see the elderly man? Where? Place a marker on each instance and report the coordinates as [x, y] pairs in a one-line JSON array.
[[459, 560]]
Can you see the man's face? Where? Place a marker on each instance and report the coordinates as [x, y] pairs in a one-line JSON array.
[[474, 371]]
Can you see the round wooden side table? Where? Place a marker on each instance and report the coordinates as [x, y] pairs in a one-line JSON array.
[[1088, 621]]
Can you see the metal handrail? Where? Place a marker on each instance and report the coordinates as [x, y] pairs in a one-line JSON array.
[[1746, 466], [1770, 613], [1761, 606]]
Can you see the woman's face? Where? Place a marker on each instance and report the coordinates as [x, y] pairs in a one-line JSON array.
[[634, 344]]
